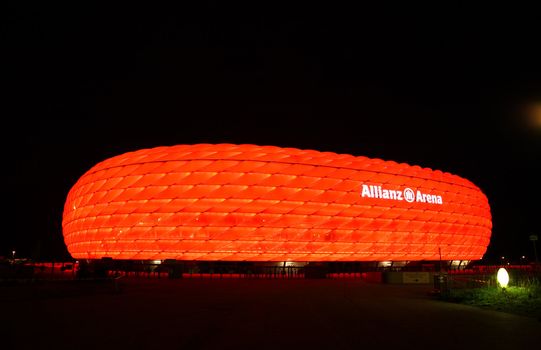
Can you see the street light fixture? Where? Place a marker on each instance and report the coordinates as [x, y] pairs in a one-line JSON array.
[[533, 238]]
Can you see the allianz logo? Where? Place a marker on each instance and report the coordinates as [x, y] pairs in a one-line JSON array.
[[408, 195]]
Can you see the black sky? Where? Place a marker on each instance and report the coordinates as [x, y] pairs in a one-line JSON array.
[[445, 87]]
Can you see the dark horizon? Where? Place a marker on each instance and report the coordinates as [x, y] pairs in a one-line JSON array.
[[453, 90]]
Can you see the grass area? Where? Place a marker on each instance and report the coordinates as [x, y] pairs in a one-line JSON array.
[[522, 300]]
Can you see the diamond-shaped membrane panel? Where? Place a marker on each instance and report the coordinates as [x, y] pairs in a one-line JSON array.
[[265, 203]]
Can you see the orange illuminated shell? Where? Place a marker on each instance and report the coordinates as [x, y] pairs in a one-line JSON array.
[[264, 203]]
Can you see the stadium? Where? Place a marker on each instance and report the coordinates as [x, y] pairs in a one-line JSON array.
[[248, 203]]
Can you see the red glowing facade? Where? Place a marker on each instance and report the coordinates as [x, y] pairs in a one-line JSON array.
[[263, 203]]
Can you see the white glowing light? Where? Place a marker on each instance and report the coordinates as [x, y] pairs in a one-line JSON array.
[[503, 277], [385, 263]]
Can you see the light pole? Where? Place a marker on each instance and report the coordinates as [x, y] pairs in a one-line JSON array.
[[533, 238]]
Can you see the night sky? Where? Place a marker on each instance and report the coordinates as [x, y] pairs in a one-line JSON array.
[[450, 87]]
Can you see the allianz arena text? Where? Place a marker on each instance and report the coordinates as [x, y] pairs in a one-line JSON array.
[[264, 203]]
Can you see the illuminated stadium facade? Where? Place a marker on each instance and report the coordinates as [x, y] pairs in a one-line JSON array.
[[229, 202]]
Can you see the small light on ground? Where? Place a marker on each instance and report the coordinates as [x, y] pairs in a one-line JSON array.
[[503, 277]]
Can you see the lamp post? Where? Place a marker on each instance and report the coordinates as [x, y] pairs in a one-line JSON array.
[[533, 238]]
